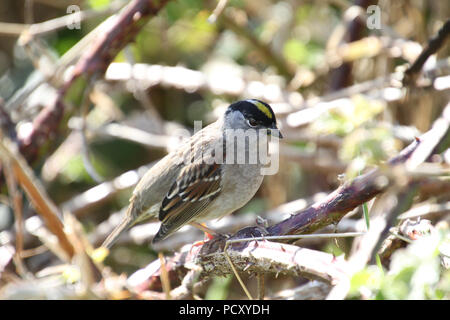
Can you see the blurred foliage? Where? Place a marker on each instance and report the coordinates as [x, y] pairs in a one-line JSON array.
[[98, 4], [300, 34], [303, 54], [349, 116], [415, 273], [218, 290]]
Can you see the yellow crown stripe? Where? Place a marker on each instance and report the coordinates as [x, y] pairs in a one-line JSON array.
[[261, 107]]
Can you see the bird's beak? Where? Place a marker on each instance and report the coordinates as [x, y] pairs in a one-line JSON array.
[[274, 131]]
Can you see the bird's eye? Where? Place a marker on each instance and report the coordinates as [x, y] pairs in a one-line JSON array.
[[252, 122]]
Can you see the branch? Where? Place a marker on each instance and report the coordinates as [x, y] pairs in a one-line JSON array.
[[104, 191], [312, 290], [265, 256], [124, 29], [432, 138], [52, 25], [262, 48], [117, 35], [363, 188], [6, 124], [405, 233], [390, 206], [341, 76], [386, 88], [341, 201], [36, 193], [272, 257], [257, 256], [432, 47]]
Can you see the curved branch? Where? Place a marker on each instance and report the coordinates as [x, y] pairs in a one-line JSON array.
[[346, 198], [432, 47], [122, 30]]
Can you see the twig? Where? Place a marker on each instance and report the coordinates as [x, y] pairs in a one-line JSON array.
[[84, 109], [257, 245], [431, 139], [164, 276], [313, 108], [190, 80], [368, 244], [299, 236], [140, 233], [399, 236], [125, 27], [36, 193], [34, 251], [314, 160], [140, 93], [54, 69], [217, 11], [28, 8], [189, 285], [407, 232], [313, 290], [432, 47], [426, 209], [341, 201], [104, 191], [257, 256], [193, 81], [29, 30], [337, 204], [126, 132], [341, 76], [89, 270], [16, 200], [7, 126], [261, 288], [271, 257], [404, 201], [272, 58], [233, 268], [365, 246], [95, 60]]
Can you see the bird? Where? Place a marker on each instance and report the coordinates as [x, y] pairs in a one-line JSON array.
[[199, 181]]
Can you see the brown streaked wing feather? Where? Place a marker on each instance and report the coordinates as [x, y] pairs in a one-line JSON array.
[[196, 186]]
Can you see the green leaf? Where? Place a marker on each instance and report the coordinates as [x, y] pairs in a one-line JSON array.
[[219, 288], [98, 4], [366, 215], [302, 53], [380, 266], [176, 10]]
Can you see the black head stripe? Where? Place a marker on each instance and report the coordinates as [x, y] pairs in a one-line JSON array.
[[256, 109]]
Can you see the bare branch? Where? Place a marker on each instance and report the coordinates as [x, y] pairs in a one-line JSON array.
[[36, 193], [341, 76], [341, 201], [432, 47], [313, 290], [96, 59], [257, 256]]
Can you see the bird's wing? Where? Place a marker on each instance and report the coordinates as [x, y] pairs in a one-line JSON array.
[[197, 185]]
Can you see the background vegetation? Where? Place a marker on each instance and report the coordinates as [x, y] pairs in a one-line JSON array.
[[335, 85]]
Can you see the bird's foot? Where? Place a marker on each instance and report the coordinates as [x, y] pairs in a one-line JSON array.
[[207, 238], [208, 232], [202, 242]]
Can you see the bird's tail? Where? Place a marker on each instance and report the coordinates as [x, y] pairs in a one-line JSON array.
[[127, 222]]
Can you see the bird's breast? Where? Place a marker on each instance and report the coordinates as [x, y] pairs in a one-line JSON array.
[[239, 184]]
